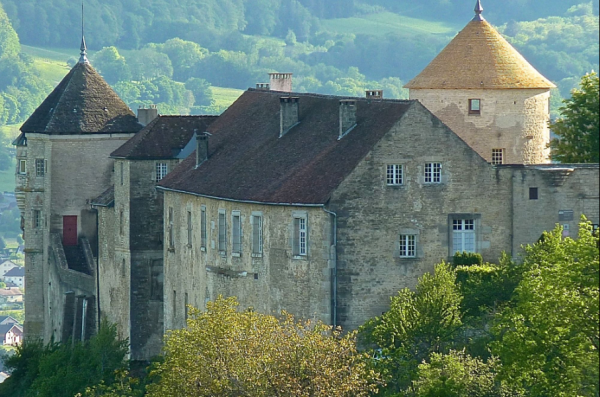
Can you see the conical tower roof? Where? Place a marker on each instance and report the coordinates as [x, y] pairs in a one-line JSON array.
[[479, 58], [83, 103]]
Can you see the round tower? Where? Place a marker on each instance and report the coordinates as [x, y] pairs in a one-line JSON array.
[[489, 95]]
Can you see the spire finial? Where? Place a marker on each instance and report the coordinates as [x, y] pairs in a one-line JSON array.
[[83, 48], [478, 11]]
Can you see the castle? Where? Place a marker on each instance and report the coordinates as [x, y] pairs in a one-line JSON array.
[[319, 205]]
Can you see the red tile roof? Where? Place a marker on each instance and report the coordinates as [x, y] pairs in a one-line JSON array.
[[249, 162]]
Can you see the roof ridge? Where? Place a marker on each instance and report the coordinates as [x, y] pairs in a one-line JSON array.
[[330, 96]]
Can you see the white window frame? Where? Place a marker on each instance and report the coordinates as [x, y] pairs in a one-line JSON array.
[[222, 229], [22, 170], [407, 246], [433, 173], [395, 175], [300, 236], [40, 167], [257, 234], [203, 237], [236, 233], [464, 229], [497, 156], [161, 170]]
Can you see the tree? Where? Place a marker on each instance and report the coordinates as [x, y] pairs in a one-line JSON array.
[[9, 41], [111, 65], [224, 352], [579, 129], [548, 339], [418, 323]]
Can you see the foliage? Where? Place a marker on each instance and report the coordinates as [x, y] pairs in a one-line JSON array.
[[224, 352], [9, 41], [467, 259], [578, 130], [418, 324], [18, 315], [457, 374], [548, 341], [123, 386], [57, 370]]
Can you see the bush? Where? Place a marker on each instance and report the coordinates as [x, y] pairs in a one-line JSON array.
[[467, 259]]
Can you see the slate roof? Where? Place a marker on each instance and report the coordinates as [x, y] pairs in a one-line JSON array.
[[249, 162], [106, 199], [163, 138], [15, 272], [7, 320], [82, 103], [479, 58]]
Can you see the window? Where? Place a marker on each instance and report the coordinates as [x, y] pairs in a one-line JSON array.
[[121, 223], [40, 167], [497, 156], [433, 173], [203, 228], [463, 235], [156, 280], [222, 232], [161, 171], [474, 106], [121, 172], [257, 238], [395, 176], [300, 237], [408, 246], [533, 193], [189, 228], [37, 219], [170, 230], [22, 170], [236, 233]]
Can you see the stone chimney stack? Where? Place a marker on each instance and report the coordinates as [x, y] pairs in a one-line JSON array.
[[201, 147], [263, 86], [289, 113], [375, 94], [347, 116], [145, 116], [281, 82]]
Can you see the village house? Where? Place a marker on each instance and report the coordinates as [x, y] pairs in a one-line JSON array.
[[16, 276], [11, 334], [319, 205]]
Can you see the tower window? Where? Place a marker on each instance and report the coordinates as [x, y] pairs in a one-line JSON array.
[[22, 167], [497, 156], [474, 106], [533, 193], [40, 167], [161, 171]]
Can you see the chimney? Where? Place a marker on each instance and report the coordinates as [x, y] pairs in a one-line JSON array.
[[145, 116], [263, 86], [289, 114], [375, 94], [347, 116], [281, 82], [201, 147]]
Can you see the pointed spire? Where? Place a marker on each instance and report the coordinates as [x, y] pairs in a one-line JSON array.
[[478, 11], [83, 48]]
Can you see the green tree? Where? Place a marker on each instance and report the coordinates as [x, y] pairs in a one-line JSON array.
[[201, 89], [225, 352], [578, 129], [9, 41], [111, 65], [548, 340], [418, 323]]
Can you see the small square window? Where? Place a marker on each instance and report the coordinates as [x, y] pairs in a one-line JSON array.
[[408, 246], [497, 156], [433, 173], [40, 167], [533, 193], [395, 175], [474, 106], [161, 171]]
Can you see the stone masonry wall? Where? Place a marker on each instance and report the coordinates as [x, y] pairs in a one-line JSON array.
[[514, 120], [269, 283], [373, 215]]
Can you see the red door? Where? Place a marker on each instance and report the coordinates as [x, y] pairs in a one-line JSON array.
[[69, 230]]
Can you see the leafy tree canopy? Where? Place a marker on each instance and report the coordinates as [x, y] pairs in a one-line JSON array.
[[578, 129]]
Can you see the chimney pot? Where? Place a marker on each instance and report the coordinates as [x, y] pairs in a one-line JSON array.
[[375, 94], [281, 82]]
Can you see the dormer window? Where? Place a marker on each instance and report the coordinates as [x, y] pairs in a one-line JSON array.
[[474, 106]]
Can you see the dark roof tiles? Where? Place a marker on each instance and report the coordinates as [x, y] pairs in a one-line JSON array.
[[163, 137], [249, 162], [82, 103]]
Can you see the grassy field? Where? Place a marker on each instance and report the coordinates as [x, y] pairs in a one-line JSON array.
[[386, 22], [51, 63], [225, 96]]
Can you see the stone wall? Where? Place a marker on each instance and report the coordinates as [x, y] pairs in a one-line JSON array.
[[512, 119], [371, 215], [269, 283]]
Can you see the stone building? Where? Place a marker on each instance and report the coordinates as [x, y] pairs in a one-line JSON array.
[[486, 92], [62, 164], [130, 251]]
